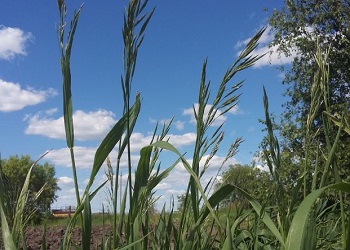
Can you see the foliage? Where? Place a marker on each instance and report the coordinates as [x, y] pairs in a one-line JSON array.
[[301, 29], [14, 171], [181, 202], [286, 221], [303, 26], [134, 212], [251, 179]]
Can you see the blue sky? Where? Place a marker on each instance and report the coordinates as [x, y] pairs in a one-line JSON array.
[[180, 36]]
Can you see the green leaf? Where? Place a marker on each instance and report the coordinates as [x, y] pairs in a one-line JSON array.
[[66, 74], [111, 139], [264, 216], [339, 122], [129, 246], [21, 202], [229, 240], [67, 236], [87, 224], [298, 235], [216, 198], [6, 233], [166, 145]]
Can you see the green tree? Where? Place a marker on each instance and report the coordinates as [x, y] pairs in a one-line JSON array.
[[14, 171], [300, 28], [181, 202], [251, 179]]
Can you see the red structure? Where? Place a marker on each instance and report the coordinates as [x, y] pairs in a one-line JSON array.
[[64, 212]]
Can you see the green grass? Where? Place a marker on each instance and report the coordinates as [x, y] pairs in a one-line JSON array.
[[97, 220], [202, 223]]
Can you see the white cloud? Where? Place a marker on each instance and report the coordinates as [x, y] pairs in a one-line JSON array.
[[13, 97], [179, 141], [13, 42], [160, 122], [179, 176], [235, 110], [87, 125], [218, 120], [179, 125], [272, 55], [175, 184], [92, 126], [174, 192], [64, 180], [138, 140], [259, 162], [163, 186], [84, 157]]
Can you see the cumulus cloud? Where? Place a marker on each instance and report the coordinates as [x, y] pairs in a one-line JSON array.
[[180, 176], [87, 125], [176, 183], [179, 125], [272, 55], [173, 185], [84, 157], [219, 119], [163, 186], [64, 180], [13, 42], [139, 140], [13, 97], [259, 162], [235, 110], [179, 141]]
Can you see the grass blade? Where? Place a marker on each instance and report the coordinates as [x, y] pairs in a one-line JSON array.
[[21, 202], [265, 217], [298, 232], [228, 241], [9, 244], [111, 139], [43, 240], [215, 199], [170, 147], [87, 224]]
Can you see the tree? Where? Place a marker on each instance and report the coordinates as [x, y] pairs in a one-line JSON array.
[[251, 179], [181, 202], [14, 171], [301, 27]]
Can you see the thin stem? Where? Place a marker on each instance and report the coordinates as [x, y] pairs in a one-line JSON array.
[[75, 178]]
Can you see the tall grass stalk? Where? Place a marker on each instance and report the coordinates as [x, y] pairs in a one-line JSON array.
[[66, 75], [299, 229], [135, 23], [286, 224], [14, 238]]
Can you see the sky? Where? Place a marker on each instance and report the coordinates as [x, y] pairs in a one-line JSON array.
[[180, 36]]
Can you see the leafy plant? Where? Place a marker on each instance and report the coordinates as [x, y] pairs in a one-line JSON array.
[[284, 222]]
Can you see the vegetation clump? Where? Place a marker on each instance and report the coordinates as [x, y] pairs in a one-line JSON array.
[[309, 211]]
